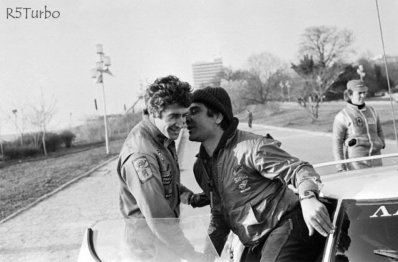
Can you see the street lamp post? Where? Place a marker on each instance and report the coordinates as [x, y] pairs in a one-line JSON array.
[[102, 66], [15, 111]]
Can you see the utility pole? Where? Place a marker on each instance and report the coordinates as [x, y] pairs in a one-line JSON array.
[[102, 66]]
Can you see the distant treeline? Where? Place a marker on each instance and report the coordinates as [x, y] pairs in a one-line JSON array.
[[32, 144]]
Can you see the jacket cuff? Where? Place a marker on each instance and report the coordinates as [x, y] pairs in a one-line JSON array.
[[308, 185], [186, 198]]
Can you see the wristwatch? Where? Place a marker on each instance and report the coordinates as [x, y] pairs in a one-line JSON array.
[[308, 195]]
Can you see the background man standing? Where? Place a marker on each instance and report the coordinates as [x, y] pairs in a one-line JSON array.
[[249, 118], [357, 130], [246, 177]]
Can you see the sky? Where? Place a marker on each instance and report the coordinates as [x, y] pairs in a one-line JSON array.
[[50, 59]]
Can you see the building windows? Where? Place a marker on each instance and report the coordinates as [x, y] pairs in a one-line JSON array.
[[205, 72]]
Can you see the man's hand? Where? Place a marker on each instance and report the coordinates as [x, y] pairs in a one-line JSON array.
[[316, 217], [199, 200]]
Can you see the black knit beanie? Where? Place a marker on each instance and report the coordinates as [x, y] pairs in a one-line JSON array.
[[216, 98]]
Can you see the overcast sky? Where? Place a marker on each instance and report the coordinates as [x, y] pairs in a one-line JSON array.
[[151, 38]]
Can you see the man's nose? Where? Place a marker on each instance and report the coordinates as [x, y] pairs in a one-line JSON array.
[[181, 121]]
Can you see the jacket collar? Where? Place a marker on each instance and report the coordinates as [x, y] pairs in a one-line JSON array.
[[359, 107], [225, 138]]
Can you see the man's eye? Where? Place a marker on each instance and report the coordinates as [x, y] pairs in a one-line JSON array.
[[193, 111]]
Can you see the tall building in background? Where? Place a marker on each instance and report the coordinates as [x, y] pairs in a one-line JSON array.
[[204, 72]]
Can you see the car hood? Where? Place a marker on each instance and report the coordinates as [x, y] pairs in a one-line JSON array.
[[372, 183]]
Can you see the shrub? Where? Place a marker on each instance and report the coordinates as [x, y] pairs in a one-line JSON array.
[[53, 142], [15, 142], [67, 138], [20, 152], [118, 127]]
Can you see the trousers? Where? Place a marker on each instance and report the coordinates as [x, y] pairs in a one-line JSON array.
[[288, 241]]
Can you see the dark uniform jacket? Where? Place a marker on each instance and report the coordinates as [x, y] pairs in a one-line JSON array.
[[247, 181], [149, 174]]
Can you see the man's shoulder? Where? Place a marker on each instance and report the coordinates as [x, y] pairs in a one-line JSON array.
[[250, 137], [139, 136], [138, 142], [341, 115], [346, 113], [370, 108], [249, 141]]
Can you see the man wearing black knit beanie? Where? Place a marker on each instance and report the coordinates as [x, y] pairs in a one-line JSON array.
[[246, 177]]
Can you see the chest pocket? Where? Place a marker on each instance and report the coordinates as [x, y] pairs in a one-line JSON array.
[[371, 121]]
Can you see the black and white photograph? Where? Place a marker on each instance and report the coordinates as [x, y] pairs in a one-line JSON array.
[[199, 130]]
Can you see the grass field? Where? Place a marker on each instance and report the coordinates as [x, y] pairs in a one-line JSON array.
[[24, 182]]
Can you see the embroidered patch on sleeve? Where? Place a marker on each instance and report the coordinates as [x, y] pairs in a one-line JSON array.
[[142, 168]]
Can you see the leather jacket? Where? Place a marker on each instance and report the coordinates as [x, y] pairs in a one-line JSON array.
[[247, 181]]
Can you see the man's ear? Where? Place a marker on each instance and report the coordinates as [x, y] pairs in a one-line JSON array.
[[219, 118], [155, 114]]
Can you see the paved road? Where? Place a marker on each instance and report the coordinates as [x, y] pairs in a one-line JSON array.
[[53, 229]]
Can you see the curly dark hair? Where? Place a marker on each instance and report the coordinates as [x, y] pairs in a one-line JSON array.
[[167, 91]]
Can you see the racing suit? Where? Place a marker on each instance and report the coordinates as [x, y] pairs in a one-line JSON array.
[[247, 181], [149, 176], [357, 132]]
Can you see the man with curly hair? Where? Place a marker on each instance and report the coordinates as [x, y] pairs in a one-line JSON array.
[[148, 168]]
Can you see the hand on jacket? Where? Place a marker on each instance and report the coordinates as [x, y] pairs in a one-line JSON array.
[[316, 217], [199, 200]]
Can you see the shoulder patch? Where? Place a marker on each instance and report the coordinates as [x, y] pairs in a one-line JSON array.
[[141, 166]]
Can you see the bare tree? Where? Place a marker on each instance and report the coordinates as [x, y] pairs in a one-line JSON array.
[[265, 65], [264, 69], [257, 83], [234, 88], [326, 45], [18, 119], [324, 50], [41, 116]]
